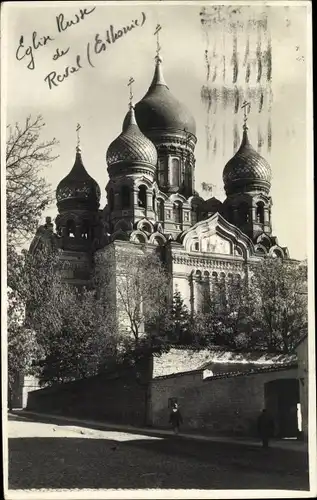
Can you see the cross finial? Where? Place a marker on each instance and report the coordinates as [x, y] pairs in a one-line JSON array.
[[130, 82], [158, 47], [78, 138], [246, 106]]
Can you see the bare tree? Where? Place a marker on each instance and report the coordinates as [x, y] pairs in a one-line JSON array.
[[28, 193], [278, 305], [142, 297]]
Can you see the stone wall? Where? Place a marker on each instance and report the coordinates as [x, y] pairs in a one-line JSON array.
[[116, 397], [302, 354], [224, 405]]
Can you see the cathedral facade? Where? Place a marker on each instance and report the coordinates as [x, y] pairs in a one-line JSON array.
[[152, 202]]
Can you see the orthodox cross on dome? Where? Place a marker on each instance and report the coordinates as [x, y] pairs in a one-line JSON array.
[[78, 138], [158, 47], [130, 82], [246, 106]]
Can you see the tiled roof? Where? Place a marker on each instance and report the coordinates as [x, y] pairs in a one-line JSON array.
[[178, 361], [254, 371]]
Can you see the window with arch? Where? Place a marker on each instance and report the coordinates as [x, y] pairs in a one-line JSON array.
[[85, 230], [196, 246], [160, 209], [244, 213], [175, 172], [177, 212], [194, 214], [161, 171], [277, 253], [70, 229], [125, 197], [142, 196], [111, 199], [260, 212]]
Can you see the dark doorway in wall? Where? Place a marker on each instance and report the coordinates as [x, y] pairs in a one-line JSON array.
[[281, 400]]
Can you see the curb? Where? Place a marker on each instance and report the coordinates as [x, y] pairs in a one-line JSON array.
[[101, 426]]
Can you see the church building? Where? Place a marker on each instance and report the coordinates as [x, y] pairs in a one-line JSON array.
[[152, 202]]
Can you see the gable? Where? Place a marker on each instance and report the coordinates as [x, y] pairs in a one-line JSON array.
[[215, 243], [216, 235]]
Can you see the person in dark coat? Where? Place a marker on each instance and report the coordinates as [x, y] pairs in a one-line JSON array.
[[265, 428], [176, 418]]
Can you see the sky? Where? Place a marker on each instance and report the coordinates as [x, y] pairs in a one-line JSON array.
[[97, 96]]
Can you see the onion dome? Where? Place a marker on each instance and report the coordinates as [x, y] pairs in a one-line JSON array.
[[247, 170], [160, 110], [131, 145], [78, 188]]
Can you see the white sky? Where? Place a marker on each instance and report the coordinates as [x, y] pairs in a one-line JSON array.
[[98, 97]]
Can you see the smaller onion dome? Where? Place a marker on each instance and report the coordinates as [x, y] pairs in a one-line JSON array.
[[131, 145], [247, 170], [78, 187]]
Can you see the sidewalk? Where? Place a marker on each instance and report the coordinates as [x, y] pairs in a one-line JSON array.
[[293, 445]]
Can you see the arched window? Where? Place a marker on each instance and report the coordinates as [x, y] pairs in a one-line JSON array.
[[160, 209], [142, 196], [277, 253], [196, 246], [85, 230], [111, 200], [260, 212], [70, 228], [161, 171], [244, 214], [175, 172], [195, 214], [125, 197], [177, 212]]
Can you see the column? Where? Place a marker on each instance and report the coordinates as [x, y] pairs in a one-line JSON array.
[[266, 216], [198, 293], [254, 219]]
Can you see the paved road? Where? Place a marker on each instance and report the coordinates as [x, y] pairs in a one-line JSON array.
[[46, 455]]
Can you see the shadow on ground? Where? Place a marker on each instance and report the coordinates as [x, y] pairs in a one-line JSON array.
[[150, 463]]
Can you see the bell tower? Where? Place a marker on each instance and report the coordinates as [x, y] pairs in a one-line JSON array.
[[247, 182], [78, 196]]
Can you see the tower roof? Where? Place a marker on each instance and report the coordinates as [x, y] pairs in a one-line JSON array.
[[247, 170], [160, 110], [78, 187], [131, 145]]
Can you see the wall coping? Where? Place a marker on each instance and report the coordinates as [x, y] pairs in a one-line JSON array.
[[254, 371]]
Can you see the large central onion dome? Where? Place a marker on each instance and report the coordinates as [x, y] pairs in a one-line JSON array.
[[131, 145], [247, 170], [160, 110], [78, 188]]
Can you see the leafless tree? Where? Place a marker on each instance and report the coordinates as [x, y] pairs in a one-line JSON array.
[[28, 193]]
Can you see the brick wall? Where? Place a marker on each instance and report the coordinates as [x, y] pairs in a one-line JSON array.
[[109, 397], [220, 405]]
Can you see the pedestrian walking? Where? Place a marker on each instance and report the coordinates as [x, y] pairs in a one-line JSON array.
[[265, 428], [176, 418]]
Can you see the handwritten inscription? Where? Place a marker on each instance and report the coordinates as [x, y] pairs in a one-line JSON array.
[[99, 45], [28, 52], [59, 53], [37, 42], [63, 24]]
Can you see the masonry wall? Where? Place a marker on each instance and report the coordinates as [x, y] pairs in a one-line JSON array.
[[114, 398], [302, 354], [227, 406]]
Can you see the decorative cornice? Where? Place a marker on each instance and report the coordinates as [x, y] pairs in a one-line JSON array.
[[207, 262]]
